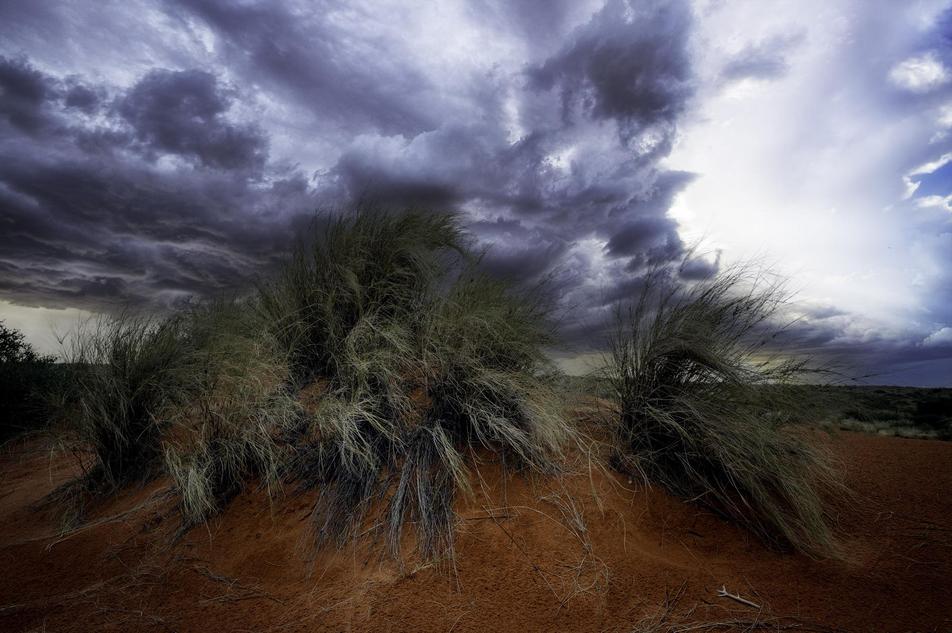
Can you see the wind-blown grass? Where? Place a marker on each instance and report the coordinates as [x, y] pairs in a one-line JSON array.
[[125, 369], [695, 374], [378, 351], [416, 358], [380, 360], [224, 429], [200, 395]]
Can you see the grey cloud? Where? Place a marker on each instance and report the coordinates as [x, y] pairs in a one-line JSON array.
[[823, 312], [608, 186], [629, 63], [24, 94], [82, 98], [651, 230], [699, 268], [902, 360], [767, 59], [183, 112], [620, 83], [89, 221], [79, 235], [305, 57], [515, 251], [642, 234], [542, 25], [96, 215]]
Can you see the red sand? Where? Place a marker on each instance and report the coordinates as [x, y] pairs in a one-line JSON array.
[[521, 566]]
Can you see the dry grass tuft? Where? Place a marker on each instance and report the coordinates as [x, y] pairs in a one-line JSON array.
[[698, 386], [418, 357]]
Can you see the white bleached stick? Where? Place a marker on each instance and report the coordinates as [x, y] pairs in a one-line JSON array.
[[724, 593]]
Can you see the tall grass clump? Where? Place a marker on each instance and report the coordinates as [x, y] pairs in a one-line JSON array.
[[371, 368], [200, 395], [125, 369], [406, 359], [699, 384], [224, 429]]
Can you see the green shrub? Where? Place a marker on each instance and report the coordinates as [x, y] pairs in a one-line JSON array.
[[223, 429], [364, 276], [371, 364], [408, 357], [125, 370], [201, 395], [697, 380]]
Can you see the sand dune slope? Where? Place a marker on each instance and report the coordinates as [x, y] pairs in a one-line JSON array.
[[587, 552]]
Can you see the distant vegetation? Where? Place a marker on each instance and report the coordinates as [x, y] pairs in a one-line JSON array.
[[911, 412], [26, 380], [381, 360]]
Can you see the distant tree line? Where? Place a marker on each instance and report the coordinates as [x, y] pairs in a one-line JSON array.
[[26, 380]]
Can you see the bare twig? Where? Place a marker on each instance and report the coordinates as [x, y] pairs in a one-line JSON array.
[[723, 593]]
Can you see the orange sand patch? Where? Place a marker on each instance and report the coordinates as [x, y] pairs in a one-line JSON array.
[[588, 552]]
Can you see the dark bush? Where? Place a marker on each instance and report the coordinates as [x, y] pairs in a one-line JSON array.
[[26, 381]]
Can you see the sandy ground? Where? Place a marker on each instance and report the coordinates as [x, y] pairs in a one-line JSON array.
[[587, 552]]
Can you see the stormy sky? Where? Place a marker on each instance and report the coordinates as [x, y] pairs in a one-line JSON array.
[[152, 151]]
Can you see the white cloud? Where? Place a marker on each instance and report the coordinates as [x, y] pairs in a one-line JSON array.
[[912, 184], [935, 202], [942, 336], [919, 74], [945, 117], [932, 166], [829, 134]]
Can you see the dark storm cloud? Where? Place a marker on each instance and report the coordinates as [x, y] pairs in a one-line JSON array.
[[532, 221], [873, 358], [596, 115], [629, 63], [189, 170], [651, 231], [371, 173], [699, 268], [24, 93], [82, 97], [90, 236], [515, 251], [304, 56], [89, 220], [182, 112], [164, 184], [642, 234]]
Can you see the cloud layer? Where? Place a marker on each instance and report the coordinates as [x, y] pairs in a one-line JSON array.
[[160, 150], [186, 175]]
